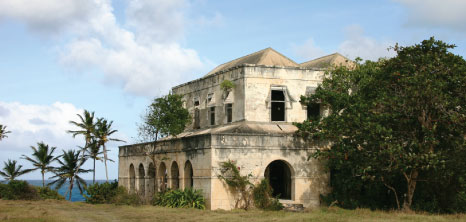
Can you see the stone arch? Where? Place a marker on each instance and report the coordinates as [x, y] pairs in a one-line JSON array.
[[280, 175], [188, 175], [152, 182], [132, 178], [175, 176], [162, 177], [141, 180]]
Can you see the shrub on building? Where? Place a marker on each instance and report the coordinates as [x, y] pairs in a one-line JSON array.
[[187, 198]]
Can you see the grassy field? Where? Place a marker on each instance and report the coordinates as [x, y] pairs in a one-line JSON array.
[[52, 210]]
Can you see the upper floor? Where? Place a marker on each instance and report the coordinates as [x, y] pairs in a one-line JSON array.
[[267, 87]]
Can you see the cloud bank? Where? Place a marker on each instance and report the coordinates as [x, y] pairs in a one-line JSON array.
[[144, 55]]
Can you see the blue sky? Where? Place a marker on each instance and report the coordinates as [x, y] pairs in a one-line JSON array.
[[58, 57]]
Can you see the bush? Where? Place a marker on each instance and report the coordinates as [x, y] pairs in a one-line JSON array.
[[47, 193], [187, 198], [123, 197], [101, 193], [18, 190], [107, 193], [263, 198]]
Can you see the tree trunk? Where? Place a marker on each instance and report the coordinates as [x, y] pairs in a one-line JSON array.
[[105, 161], [411, 182], [70, 188], [43, 180], [93, 174]]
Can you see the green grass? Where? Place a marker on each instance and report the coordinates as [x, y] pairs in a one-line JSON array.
[[55, 210]]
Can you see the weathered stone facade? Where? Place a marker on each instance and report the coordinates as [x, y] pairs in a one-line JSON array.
[[249, 124]]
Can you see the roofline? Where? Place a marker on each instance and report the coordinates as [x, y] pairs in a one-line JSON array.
[[246, 65]]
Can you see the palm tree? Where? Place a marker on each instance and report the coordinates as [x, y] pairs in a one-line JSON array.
[[103, 131], [69, 171], [94, 152], [86, 128], [41, 159], [11, 171], [3, 132]]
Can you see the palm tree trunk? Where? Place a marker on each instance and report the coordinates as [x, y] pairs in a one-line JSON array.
[[70, 188], [43, 180], [105, 161], [93, 176]]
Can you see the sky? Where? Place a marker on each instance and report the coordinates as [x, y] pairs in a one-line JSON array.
[[59, 57]]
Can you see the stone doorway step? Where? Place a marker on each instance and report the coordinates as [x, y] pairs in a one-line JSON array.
[[290, 205]]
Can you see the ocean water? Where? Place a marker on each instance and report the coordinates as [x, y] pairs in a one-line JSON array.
[[75, 194]]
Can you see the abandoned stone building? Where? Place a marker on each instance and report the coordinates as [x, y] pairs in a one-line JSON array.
[[250, 124]]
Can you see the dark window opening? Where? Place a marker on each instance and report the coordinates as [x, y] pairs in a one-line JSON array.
[[212, 115], [229, 112], [278, 105], [279, 176], [196, 103], [197, 124], [313, 111]]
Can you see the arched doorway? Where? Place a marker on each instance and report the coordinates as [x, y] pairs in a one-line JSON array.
[[132, 178], [152, 183], [162, 177], [188, 175], [278, 173], [175, 176], [141, 180]]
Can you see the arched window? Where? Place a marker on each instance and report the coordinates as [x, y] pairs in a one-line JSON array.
[[278, 173], [175, 176], [162, 177], [152, 181], [141, 180], [188, 175], [132, 179]]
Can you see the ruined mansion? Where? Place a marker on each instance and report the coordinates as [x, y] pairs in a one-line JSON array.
[[250, 124]]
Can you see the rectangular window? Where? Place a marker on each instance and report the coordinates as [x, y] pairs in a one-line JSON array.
[[212, 115], [229, 112], [278, 105], [209, 98], [313, 111], [196, 102]]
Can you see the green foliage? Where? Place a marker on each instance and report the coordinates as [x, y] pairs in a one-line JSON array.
[[165, 116], [18, 190], [394, 123], [227, 85], [239, 185], [100, 193], [41, 159], [123, 197], [11, 170], [187, 198], [3, 132], [263, 198], [47, 193]]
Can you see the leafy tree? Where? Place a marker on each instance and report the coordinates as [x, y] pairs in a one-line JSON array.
[[165, 116], [11, 170], [397, 118], [69, 171], [3, 132], [102, 133], [41, 159]]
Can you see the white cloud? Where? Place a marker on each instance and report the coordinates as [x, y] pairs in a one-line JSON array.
[[143, 56], [47, 15], [30, 124], [356, 44], [308, 50], [433, 13]]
